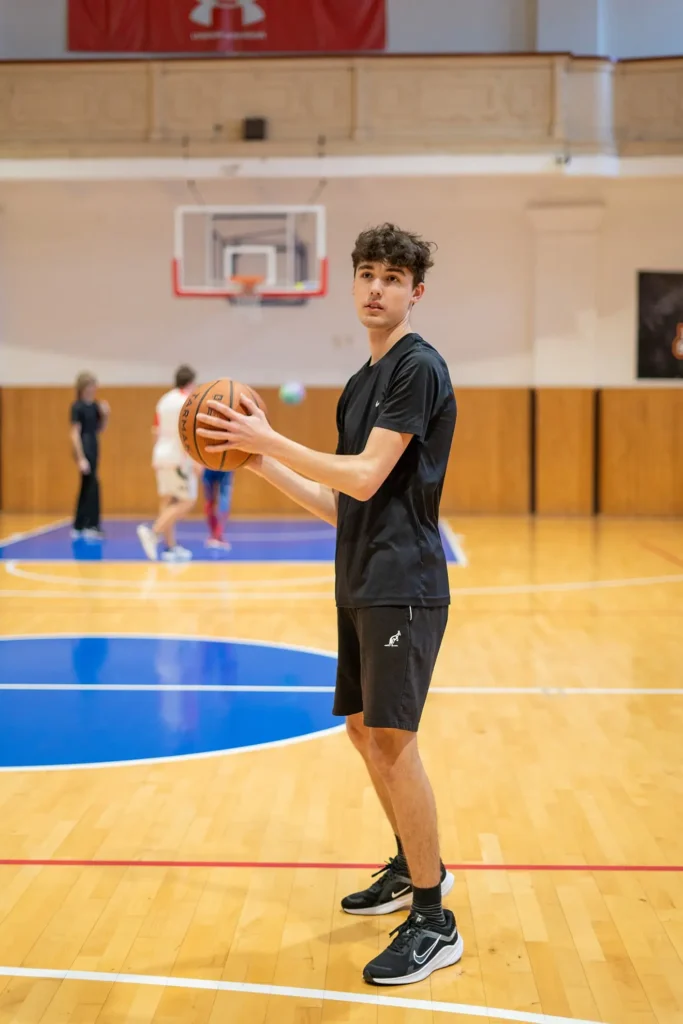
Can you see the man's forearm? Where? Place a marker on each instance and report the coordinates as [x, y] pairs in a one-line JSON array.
[[350, 474], [314, 497]]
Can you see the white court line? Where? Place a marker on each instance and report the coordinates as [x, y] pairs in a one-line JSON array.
[[302, 595], [173, 567], [257, 538], [13, 567], [568, 587], [165, 688], [203, 755], [14, 538], [427, 1005], [316, 535], [561, 691], [454, 542], [467, 691], [170, 595]]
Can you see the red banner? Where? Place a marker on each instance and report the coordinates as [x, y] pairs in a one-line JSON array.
[[227, 26], [107, 26]]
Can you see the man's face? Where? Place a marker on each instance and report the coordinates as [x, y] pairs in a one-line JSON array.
[[384, 294]]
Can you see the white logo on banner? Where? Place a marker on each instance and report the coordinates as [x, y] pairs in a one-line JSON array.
[[252, 12]]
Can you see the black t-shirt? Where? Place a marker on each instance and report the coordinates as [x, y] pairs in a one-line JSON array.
[[90, 418], [389, 549]]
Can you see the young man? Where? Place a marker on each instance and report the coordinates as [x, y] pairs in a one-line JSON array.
[[382, 490], [175, 472], [217, 499], [88, 419]]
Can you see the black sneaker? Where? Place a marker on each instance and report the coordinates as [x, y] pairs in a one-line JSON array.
[[419, 949], [392, 891]]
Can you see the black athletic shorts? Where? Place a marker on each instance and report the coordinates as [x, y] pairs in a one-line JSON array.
[[386, 659]]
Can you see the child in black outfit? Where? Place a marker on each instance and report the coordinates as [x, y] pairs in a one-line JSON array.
[[88, 419]]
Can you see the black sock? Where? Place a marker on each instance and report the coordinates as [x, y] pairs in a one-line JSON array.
[[400, 862], [427, 902]]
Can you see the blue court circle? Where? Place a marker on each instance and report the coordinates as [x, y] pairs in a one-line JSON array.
[[63, 701]]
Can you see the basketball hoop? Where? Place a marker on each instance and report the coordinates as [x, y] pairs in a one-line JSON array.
[[246, 298], [219, 250], [246, 293]]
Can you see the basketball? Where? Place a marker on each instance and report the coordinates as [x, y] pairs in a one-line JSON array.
[[229, 392]]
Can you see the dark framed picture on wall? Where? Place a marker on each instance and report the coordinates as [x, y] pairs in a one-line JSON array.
[[660, 325]]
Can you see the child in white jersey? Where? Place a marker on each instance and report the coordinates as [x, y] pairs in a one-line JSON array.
[[176, 474]]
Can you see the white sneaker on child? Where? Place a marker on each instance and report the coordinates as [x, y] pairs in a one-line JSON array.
[[218, 545], [149, 541], [176, 554]]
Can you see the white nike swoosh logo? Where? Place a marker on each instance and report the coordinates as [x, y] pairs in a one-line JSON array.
[[401, 892], [421, 959]]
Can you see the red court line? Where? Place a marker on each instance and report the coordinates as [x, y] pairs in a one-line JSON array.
[[667, 555], [327, 865]]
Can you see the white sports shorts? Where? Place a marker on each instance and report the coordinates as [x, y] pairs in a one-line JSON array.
[[177, 482]]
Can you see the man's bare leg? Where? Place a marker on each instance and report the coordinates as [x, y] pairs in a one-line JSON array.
[[406, 796], [429, 939], [360, 737], [395, 758]]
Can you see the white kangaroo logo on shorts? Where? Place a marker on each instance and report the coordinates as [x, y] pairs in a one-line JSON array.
[[393, 640]]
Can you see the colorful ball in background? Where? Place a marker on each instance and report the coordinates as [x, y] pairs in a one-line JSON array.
[[292, 393]]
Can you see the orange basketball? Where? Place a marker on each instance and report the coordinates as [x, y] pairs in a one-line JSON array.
[[229, 392]]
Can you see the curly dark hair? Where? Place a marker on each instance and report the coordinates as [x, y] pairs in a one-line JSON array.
[[389, 244]]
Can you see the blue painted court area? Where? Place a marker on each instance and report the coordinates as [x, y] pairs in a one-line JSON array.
[[256, 540], [79, 701]]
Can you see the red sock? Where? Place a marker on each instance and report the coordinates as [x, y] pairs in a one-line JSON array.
[[212, 520]]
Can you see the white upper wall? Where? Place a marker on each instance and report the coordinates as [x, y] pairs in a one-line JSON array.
[[578, 26], [644, 28], [461, 26], [85, 282], [36, 29]]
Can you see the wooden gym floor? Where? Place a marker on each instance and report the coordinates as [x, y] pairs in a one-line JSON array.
[[553, 735]]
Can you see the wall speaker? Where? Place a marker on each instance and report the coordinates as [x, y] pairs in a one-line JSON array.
[[254, 129]]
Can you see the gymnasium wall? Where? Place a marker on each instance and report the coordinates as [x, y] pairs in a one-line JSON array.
[[490, 461], [85, 283], [515, 451]]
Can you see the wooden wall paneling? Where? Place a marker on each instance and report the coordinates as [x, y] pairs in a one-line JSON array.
[[38, 470], [641, 451], [39, 473], [490, 465], [126, 476], [565, 451]]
